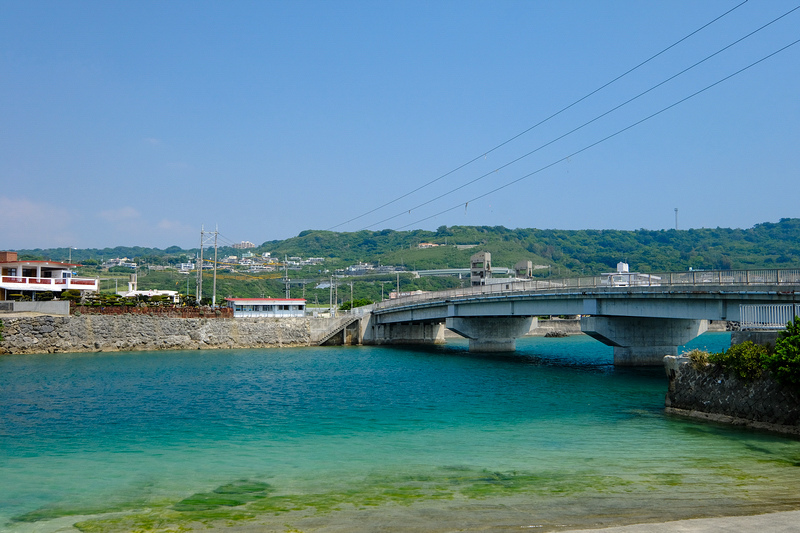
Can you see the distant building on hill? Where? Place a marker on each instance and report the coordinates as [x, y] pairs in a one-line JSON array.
[[524, 269], [480, 266], [244, 245]]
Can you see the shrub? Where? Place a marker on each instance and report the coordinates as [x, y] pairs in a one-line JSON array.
[[698, 359], [72, 295], [784, 362], [745, 361], [351, 304]]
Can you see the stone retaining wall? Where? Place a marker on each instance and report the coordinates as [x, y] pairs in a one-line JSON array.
[[711, 394], [48, 334]]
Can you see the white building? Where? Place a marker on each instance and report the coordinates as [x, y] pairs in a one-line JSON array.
[[30, 277], [624, 278], [267, 307], [133, 291]]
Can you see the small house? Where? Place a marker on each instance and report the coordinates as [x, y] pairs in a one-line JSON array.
[[267, 307], [31, 277]]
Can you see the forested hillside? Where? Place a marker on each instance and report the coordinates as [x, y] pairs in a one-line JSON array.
[[561, 252], [768, 245], [567, 252]]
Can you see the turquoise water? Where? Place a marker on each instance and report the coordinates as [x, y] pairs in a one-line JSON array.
[[365, 438]]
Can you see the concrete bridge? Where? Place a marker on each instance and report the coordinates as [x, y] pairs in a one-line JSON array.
[[644, 318]]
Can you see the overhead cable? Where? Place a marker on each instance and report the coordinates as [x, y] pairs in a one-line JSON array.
[[595, 119], [520, 134], [682, 100]]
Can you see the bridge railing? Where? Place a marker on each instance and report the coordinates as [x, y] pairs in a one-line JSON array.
[[660, 279], [767, 316]]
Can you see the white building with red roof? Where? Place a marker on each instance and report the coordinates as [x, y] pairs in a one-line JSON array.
[[31, 277], [267, 307]]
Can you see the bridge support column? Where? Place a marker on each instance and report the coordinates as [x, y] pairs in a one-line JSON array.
[[403, 333], [642, 341], [491, 333]]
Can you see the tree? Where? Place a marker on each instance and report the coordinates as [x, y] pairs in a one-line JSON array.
[[784, 363], [356, 302]]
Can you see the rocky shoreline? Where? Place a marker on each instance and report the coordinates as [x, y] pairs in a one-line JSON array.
[[100, 333], [712, 395]]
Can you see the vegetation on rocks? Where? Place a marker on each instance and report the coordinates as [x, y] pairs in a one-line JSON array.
[[748, 361], [784, 360]]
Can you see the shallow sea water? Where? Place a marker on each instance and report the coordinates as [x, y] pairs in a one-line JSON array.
[[550, 438]]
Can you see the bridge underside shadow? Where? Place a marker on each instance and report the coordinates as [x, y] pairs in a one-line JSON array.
[[485, 334], [403, 333], [637, 341], [492, 333], [640, 341]]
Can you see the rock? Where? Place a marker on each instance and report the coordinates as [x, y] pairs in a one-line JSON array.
[[710, 394]]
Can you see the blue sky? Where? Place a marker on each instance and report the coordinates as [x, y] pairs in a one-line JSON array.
[[134, 123]]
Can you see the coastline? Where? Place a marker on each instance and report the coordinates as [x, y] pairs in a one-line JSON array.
[[780, 522], [775, 522]]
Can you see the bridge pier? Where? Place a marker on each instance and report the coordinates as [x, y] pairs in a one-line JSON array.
[[404, 333], [492, 333], [642, 341]]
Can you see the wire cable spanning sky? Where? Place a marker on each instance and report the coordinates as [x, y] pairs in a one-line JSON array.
[[578, 128], [135, 124], [623, 130], [544, 120]]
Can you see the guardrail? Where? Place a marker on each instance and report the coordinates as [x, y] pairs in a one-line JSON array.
[[656, 279], [767, 316]]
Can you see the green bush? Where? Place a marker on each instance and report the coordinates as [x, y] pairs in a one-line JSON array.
[[746, 360], [698, 358], [358, 302], [784, 362], [71, 295]]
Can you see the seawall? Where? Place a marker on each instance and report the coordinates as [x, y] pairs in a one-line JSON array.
[[710, 394], [93, 333]]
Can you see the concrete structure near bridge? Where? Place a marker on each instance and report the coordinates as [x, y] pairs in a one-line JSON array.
[[643, 322]]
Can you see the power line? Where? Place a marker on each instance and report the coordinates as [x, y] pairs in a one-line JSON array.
[[595, 119], [576, 102], [682, 100]]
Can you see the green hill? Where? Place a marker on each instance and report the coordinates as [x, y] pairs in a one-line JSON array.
[[565, 252]]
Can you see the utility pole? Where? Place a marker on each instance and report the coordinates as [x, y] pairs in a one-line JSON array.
[[214, 289], [382, 284], [676, 218], [286, 274], [398, 284], [351, 294], [330, 300], [200, 268]]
